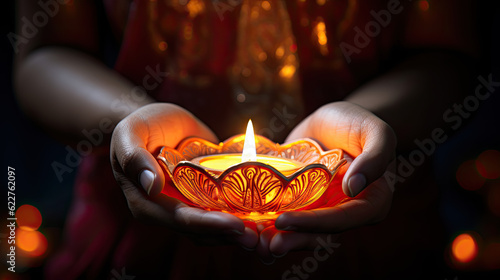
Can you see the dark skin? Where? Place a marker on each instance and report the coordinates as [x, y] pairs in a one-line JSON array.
[[365, 125]]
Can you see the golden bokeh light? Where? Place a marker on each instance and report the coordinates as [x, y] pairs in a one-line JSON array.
[[32, 242], [464, 248], [28, 217], [266, 5], [287, 71]]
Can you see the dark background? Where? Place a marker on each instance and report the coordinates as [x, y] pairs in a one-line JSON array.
[[30, 151]]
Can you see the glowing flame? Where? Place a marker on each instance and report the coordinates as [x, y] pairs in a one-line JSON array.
[[249, 151]]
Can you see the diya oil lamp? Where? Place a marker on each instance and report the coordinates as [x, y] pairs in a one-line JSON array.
[[250, 176]]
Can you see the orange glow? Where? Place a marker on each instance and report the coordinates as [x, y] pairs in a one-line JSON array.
[[27, 240], [468, 177], [262, 56], [320, 32], [28, 217], [195, 7], [488, 164], [33, 243], [423, 5], [280, 52], [464, 248], [266, 5], [250, 187], [163, 46], [320, 29], [321, 2], [287, 71]]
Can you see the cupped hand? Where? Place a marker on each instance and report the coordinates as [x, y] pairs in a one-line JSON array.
[[135, 143], [370, 145]]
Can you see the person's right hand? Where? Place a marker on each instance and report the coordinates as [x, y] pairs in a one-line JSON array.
[[136, 141]]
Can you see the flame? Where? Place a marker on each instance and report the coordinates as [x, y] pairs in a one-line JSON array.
[[249, 151]]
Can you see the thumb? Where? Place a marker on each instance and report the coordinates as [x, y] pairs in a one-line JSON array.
[[377, 153], [135, 165]]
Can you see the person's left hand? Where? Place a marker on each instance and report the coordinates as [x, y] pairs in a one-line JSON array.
[[369, 144]]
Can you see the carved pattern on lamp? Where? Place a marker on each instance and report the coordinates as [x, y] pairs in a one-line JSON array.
[[251, 190]]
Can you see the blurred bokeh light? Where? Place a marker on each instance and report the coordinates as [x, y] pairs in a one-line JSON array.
[[28, 217], [464, 248], [468, 176], [488, 164]]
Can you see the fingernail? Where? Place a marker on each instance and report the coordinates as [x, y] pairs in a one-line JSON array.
[[290, 228], [233, 232], [146, 179], [356, 184], [247, 249], [279, 256]]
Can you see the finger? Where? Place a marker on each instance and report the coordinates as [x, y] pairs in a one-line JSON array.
[[249, 239], [378, 152], [263, 247], [139, 135], [130, 157], [287, 241], [371, 206], [185, 218], [263, 225]]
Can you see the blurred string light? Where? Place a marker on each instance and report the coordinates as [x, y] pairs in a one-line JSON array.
[[32, 242], [464, 248]]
